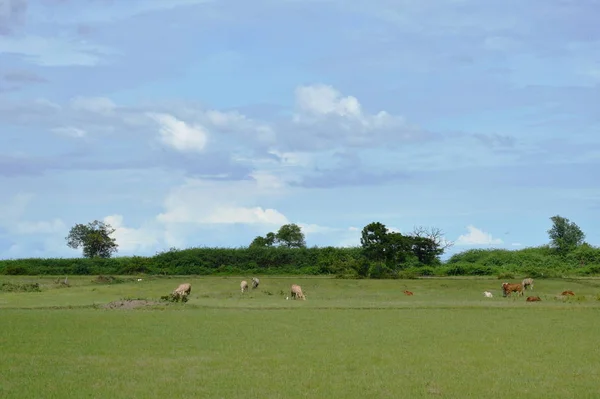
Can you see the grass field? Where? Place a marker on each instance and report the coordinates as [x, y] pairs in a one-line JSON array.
[[349, 339]]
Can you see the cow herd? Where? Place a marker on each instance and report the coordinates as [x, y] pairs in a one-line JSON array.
[[519, 288], [182, 292]]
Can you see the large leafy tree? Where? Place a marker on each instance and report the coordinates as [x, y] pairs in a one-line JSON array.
[[565, 235], [374, 241], [290, 236], [94, 238]]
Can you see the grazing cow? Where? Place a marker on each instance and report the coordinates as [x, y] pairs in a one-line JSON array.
[[182, 292], [244, 286], [533, 298], [408, 293], [297, 292], [508, 289], [528, 282], [571, 293], [488, 294], [255, 282]]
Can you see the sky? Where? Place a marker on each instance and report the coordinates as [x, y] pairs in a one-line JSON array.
[[191, 123]]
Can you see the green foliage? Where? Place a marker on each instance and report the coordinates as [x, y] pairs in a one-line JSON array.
[[20, 287], [401, 251], [290, 236], [261, 242], [94, 238], [565, 235]]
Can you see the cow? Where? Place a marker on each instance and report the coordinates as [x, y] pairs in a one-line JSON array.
[[297, 292], [255, 282], [244, 286], [407, 293], [533, 299], [528, 282], [571, 293], [488, 294], [182, 292], [508, 289]]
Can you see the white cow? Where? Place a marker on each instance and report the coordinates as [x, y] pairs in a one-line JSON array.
[[255, 282], [244, 286], [182, 292], [296, 292], [488, 294]]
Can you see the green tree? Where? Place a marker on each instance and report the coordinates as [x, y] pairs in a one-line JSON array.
[[262, 242], [94, 238], [373, 241], [565, 235], [290, 236]]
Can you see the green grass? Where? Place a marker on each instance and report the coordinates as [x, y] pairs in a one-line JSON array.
[[349, 339]]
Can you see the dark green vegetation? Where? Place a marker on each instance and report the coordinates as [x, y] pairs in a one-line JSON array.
[[383, 254], [349, 339], [94, 238]]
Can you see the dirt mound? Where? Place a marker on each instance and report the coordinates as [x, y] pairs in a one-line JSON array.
[[130, 304]]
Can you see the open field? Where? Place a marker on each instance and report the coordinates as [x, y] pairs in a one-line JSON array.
[[349, 339]]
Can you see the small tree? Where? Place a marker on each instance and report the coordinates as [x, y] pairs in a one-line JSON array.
[[94, 238], [565, 235], [291, 236]]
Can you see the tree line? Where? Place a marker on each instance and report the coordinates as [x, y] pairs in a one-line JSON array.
[[382, 254]]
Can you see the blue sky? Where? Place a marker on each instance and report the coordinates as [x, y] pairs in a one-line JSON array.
[[205, 123]]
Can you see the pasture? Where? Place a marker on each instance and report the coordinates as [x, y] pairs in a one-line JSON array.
[[349, 339]]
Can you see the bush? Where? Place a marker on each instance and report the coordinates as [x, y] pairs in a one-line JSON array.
[[22, 287]]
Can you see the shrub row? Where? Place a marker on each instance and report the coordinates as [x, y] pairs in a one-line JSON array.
[[344, 262]]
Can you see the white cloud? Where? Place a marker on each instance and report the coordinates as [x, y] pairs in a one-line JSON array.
[[316, 101], [477, 237], [212, 202], [179, 135], [100, 105], [130, 239], [516, 244], [325, 100], [69, 131]]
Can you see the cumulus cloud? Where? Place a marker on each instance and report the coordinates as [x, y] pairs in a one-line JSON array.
[[327, 119], [179, 135], [476, 236], [205, 202], [130, 239]]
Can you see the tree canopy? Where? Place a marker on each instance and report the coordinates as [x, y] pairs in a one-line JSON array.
[[94, 238], [288, 235], [565, 235]]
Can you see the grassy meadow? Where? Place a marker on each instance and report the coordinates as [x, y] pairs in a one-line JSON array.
[[349, 339]]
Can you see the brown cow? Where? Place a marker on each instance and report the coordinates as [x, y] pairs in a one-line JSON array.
[[533, 298], [408, 292], [528, 282], [297, 292], [508, 289], [182, 292], [244, 286], [571, 293]]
